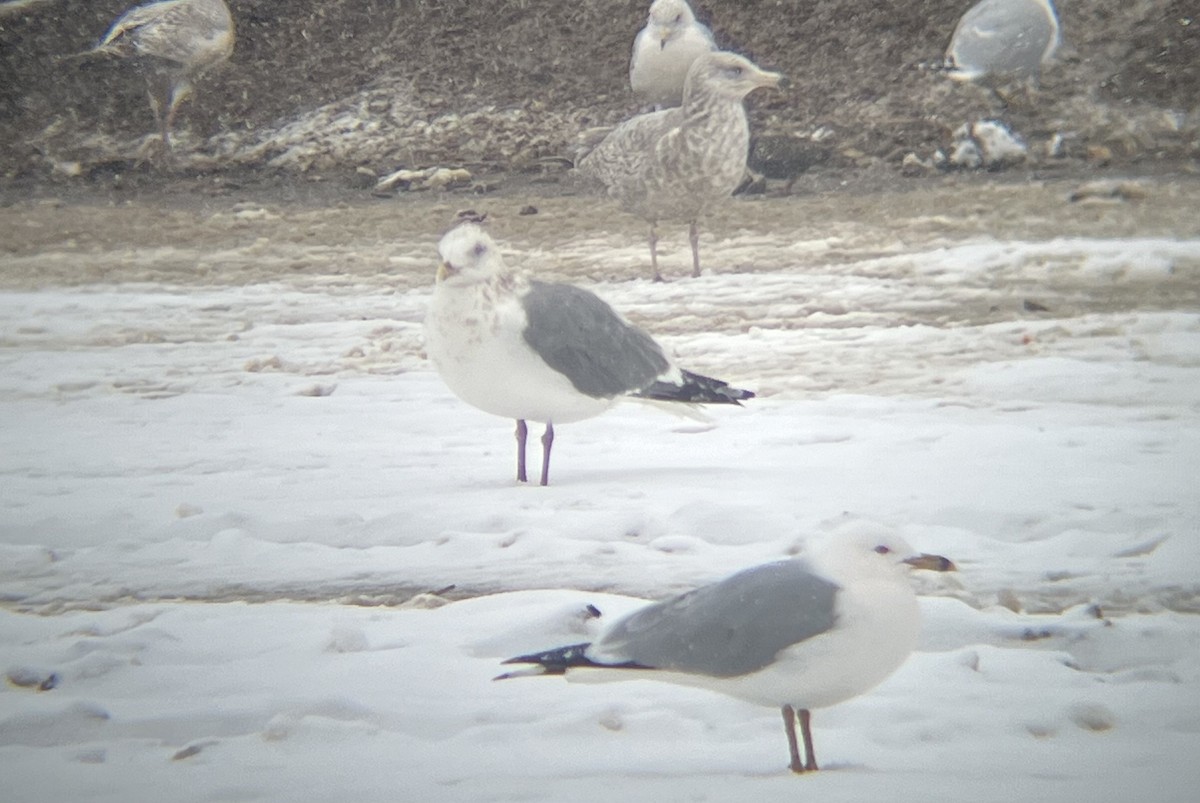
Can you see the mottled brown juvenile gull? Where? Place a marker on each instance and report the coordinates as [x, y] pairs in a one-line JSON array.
[[541, 351], [173, 42], [675, 164], [664, 50], [1003, 39], [796, 634]]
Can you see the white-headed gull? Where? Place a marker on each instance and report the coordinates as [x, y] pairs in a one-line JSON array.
[[542, 351], [797, 634], [664, 50]]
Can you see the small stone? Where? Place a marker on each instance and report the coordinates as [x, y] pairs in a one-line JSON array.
[[914, 166], [1092, 716], [1109, 190], [317, 390], [186, 511], [28, 678], [444, 177]]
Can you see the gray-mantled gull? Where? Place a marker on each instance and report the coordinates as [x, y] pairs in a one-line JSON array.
[[173, 42], [797, 634], [1003, 39], [676, 163], [664, 50], [541, 351]]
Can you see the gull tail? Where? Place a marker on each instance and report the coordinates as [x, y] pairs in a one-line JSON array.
[[694, 389]]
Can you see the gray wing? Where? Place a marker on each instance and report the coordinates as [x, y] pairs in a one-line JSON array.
[[175, 31], [623, 158], [1003, 37], [729, 628], [581, 337]]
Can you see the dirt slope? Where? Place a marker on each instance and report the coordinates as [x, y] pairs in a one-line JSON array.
[[1125, 89]]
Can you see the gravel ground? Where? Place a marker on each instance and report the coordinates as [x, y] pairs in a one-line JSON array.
[[374, 85]]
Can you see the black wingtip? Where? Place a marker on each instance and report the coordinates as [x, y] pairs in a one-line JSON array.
[[695, 389], [558, 661], [553, 662], [469, 216]]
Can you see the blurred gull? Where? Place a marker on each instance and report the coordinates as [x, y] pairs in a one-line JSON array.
[[677, 163], [1003, 39], [173, 42], [664, 50], [798, 634], [540, 351]]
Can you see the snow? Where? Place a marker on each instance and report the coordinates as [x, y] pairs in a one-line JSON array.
[[215, 499]]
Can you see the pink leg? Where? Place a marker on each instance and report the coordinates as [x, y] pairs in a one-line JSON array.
[[810, 763], [789, 727], [522, 433], [168, 121], [177, 93], [547, 442], [162, 117], [654, 253], [694, 239], [790, 715]]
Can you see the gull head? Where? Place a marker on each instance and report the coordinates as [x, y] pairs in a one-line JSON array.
[[729, 75], [872, 554], [668, 19], [468, 254]]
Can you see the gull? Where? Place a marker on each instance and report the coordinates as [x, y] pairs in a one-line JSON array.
[[1001, 39], [664, 50], [542, 351], [796, 634], [677, 163], [173, 42]]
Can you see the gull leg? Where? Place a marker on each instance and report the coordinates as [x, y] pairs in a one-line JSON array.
[[522, 433], [547, 442], [694, 239], [156, 106], [1001, 97], [178, 93], [806, 732], [654, 253], [167, 122], [789, 727]]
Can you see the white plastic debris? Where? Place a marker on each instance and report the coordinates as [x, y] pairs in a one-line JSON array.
[[987, 144]]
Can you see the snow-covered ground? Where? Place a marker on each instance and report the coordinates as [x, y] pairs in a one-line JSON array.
[[212, 500]]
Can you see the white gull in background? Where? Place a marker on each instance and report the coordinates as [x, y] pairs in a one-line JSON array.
[[675, 164], [797, 634], [664, 50], [541, 351], [173, 43], [1003, 39]]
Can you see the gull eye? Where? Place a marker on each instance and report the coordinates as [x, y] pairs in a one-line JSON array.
[[734, 72], [883, 550], [679, 18], [479, 250]]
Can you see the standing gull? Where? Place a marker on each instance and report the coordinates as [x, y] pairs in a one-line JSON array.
[[173, 42], [677, 163], [999, 39], [797, 634], [664, 50], [541, 351]]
